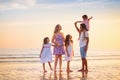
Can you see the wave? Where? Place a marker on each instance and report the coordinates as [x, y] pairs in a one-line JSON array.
[[32, 55], [36, 59]]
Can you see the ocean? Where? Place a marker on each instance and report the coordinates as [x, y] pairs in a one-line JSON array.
[[32, 55]]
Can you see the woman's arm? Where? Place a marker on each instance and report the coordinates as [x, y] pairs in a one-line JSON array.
[[53, 37], [53, 40], [63, 36]]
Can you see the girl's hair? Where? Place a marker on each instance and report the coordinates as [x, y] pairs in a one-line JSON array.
[[67, 39], [45, 40], [56, 28], [83, 26], [85, 17]]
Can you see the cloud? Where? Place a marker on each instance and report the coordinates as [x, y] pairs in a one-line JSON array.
[[16, 4], [53, 4], [49, 4], [55, 1]]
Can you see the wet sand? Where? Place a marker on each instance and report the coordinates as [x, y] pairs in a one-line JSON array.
[[103, 69]]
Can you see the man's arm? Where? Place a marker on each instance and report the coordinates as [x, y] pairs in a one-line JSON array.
[[86, 46], [76, 26]]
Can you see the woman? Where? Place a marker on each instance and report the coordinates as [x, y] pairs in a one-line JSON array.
[[58, 40]]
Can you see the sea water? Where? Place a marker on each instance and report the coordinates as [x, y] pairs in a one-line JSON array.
[[32, 55]]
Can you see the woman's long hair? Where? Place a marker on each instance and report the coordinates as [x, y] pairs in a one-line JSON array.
[[56, 28]]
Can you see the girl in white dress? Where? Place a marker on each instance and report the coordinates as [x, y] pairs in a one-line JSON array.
[[69, 51], [46, 53]]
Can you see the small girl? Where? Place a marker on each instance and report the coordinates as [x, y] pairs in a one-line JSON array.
[[69, 51], [85, 21], [46, 53]]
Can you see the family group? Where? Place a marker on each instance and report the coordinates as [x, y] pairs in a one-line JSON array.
[[64, 46]]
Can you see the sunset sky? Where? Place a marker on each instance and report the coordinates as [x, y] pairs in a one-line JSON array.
[[24, 23]]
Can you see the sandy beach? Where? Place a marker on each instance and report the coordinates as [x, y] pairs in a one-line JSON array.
[[94, 25], [101, 69]]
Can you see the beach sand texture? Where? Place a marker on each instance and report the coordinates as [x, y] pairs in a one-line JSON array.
[[98, 70], [105, 66]]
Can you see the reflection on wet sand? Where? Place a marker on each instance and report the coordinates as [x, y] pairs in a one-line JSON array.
[[63, 76], [84, 75], [69, 76], [59, 77], [49, 76], [46, 76]]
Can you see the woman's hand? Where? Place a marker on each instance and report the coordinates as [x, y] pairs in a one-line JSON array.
[[57, 44]]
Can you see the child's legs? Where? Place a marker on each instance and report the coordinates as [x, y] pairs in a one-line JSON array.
[[44, 66], [68, 65], [50, 65], [56, 61]]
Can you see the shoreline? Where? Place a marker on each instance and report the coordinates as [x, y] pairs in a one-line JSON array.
[[97, 70]]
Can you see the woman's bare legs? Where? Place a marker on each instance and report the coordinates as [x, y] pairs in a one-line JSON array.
[[56, 61], [60, 62]]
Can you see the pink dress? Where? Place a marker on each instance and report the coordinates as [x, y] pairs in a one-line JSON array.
[[86, 22], [59, 50]]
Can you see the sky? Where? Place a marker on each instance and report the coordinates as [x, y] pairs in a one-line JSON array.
[[24, 23]]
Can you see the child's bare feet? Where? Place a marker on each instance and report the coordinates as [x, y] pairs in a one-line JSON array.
[[69, 71]]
